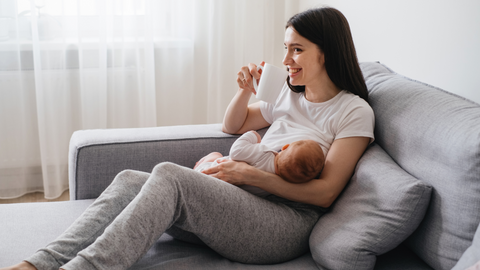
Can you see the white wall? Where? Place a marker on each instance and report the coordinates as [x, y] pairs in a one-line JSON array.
[[433, 41]]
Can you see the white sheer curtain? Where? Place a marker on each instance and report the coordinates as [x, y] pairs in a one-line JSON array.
[[67, 65]]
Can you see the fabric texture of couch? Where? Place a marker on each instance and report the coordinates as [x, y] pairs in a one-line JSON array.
[[411, 204]]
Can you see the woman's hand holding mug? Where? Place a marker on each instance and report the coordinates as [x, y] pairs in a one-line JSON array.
[[247, 74], [269, 87]]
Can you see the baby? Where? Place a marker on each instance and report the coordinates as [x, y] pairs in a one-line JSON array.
[[298, 162]]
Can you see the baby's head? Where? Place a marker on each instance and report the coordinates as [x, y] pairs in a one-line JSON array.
[[300, 161]]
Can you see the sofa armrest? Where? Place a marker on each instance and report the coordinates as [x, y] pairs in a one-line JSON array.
[[97, 156]]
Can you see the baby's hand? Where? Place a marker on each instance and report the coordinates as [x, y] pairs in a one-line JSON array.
[[259, 139]]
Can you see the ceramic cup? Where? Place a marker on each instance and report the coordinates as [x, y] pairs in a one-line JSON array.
[[271, 83]]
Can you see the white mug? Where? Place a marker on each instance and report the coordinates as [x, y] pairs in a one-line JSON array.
[[271, 83]]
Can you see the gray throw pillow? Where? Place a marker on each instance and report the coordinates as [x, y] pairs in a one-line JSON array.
[[380, 207], [472, 255], [434, 136]]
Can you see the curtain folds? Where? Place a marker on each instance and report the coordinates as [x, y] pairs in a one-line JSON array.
[[68, 65]]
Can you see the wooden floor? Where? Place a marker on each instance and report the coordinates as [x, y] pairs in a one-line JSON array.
[[36, 197]]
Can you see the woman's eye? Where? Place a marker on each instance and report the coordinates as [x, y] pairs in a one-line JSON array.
[[294, 49]]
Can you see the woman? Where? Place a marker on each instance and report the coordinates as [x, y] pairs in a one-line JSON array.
[[327, 102]]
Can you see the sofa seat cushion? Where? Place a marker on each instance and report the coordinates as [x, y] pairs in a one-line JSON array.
[[380, 207], [27, 227]]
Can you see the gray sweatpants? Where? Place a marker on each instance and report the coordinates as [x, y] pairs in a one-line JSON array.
[[137, 208]]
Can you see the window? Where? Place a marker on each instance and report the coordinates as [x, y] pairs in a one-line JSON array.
[[64, 25]]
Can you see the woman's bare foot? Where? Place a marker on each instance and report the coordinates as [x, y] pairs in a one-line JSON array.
[[21, 266]]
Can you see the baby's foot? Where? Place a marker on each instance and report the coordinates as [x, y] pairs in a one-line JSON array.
[[21, 266]]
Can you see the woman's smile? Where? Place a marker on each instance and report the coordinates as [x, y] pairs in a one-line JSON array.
[[293, 71]]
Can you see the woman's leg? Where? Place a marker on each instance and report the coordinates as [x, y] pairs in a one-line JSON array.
[[236, 224], [92, 222]]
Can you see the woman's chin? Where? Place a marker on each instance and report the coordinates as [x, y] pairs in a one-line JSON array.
[[295, 84]]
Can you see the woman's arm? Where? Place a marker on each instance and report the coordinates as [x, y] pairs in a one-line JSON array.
[[339, 167], [241, 117]]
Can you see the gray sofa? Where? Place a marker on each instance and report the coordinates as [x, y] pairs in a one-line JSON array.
[[413, 202]]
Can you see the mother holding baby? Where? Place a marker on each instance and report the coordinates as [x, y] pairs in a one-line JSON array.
[[324, 99]]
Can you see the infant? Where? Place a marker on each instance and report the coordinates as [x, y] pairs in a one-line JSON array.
[[298, 162]]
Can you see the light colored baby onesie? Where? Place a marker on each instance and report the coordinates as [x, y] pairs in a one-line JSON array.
[[247, 149]]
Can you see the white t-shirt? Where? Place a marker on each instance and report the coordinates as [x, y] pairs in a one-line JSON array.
[[294, 118]]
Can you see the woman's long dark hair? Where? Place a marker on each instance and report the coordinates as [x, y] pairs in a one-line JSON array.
[[329, 30]]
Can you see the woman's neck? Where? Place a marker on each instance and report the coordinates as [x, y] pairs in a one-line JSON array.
[[321, 92]]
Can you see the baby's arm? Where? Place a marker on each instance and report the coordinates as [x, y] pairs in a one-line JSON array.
[[247, 148]]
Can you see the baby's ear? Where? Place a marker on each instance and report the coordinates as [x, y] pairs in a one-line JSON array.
[[285, 147]]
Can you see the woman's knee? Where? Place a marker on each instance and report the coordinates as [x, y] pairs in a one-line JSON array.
[[165, 169], [126, 174], [165, 172], [174, 175], [165, 166], [131, 178]]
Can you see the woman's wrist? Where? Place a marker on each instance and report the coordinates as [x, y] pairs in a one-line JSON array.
[[243, 96], [258, 178]]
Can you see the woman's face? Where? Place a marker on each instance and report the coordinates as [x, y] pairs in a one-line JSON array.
[[303, 58]]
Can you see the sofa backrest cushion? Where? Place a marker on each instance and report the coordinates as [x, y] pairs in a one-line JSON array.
[[434, 136], [380, 207]]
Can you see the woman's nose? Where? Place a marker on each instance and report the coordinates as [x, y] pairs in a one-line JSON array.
[[287, 59]]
